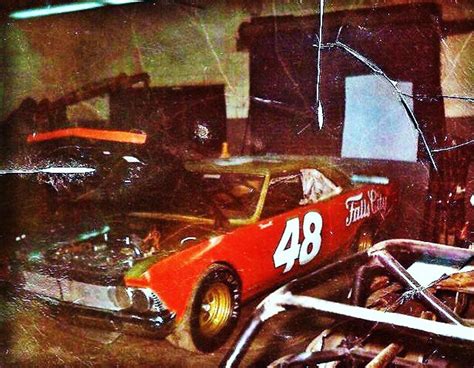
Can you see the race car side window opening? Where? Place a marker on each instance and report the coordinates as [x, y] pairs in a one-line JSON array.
[[317, 187], [291, 191]]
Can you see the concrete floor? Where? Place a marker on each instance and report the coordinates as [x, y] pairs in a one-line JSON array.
[[37, 339]]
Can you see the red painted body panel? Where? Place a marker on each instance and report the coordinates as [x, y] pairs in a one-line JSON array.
[[249, 249]]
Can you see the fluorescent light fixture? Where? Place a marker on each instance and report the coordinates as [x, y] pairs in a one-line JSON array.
[[55, 9], [67, 8], [121, 2]]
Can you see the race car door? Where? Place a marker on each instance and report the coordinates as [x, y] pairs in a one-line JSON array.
[[294, 235]]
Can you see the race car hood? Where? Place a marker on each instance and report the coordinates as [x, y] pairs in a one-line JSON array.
[[105, 253]]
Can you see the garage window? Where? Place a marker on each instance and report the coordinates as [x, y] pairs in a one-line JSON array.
[[376, 125]]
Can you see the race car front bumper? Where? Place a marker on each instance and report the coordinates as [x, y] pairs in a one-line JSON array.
[[116, 307], [157, 325]]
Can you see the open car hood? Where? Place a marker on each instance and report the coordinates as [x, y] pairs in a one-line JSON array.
[[104, 253]]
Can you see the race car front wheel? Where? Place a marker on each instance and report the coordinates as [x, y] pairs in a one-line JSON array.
[[215, 308], [213, 312]]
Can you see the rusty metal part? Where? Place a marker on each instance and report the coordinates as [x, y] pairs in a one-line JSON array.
[[398, 271], [383, 254], [417, 247], [343, 355], [305, 358], [385, 356], [365, 356], [361, 285], [380, 299], [462, 282]]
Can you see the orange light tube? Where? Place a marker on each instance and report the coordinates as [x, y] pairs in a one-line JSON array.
[[98, 134]]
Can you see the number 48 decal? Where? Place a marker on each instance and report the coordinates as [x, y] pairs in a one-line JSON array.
[[304, 252]]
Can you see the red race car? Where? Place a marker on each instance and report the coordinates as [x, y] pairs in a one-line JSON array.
[[227, 231]]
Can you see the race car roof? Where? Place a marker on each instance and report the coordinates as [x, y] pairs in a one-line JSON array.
[[268, 165]]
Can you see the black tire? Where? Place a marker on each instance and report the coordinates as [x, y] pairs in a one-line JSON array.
[[213, 313]]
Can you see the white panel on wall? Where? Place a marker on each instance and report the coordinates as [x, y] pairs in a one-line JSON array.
[[376, 125]]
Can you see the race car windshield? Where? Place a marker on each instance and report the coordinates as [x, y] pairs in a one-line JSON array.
[[235, 195], [210, 195]]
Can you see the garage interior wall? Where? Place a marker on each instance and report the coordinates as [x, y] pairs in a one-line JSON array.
[[181, 45]]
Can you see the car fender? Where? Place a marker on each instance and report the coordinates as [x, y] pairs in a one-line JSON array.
[[175, 278]]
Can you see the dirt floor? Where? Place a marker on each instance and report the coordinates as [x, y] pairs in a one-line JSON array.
[[38, 339]]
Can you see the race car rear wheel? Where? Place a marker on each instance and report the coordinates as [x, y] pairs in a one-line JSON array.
[[213, 312], [365, 239]]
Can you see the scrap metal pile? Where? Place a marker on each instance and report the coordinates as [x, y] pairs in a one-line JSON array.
[[409, 304]]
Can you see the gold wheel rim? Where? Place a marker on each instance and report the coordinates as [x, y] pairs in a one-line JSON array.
[[216, 309], [365, 241]]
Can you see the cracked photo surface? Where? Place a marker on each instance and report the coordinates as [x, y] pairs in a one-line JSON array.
[[237, 183]]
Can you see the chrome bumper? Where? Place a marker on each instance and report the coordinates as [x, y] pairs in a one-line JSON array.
[[97, 305], [156, 325]]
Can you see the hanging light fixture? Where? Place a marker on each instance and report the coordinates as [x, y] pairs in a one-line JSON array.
[[66, 8]]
